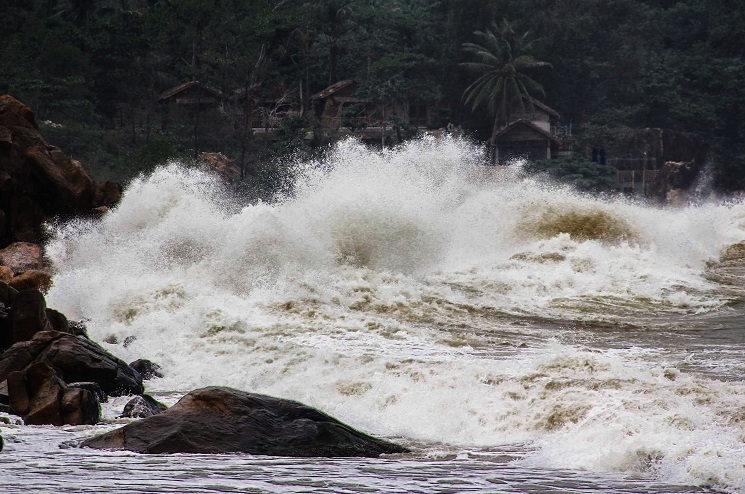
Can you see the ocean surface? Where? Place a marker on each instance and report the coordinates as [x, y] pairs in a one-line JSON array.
[[518, 336]]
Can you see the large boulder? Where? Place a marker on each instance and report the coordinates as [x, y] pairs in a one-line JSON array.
[[74, 359], [32, 279], [28, 316], [23, 313], [675, 180], [223, 420], [41, 398], [22, 256], [36, 180]]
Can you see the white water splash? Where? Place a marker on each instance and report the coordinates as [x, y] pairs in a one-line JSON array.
[[397, 290]]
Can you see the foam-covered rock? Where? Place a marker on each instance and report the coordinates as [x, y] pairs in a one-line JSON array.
[[143, 406]]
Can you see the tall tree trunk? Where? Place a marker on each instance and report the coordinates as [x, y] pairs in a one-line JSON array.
[[493, 141], [196, 129]]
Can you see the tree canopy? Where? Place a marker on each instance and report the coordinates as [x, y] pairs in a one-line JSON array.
[[98, 67]]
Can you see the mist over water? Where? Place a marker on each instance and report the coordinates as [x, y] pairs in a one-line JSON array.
[[421, 296]]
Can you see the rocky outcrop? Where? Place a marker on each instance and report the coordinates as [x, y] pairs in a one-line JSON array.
[[93, 388], [108, 194], [37, 180], [74, 359], [675, 181], [41, 398], [24, 313], [143, 406], [28, 316], [24, 267], [222, 420], [22, 256], [146, 368]]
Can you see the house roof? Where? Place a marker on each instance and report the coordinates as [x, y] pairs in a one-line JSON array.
[[334, 88], [544, 107], [186, 86], [528, 124]]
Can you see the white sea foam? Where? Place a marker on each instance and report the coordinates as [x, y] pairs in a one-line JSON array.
[[396, 290]]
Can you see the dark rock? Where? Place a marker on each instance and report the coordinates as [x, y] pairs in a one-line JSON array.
[[80, 406], [143, 406], [37, 180], [74, 359], [128, 341], [58, 321], [29, 316], [4, 398], [675, 180], [222, 420], [107, 194], [41, 398], [32, 279], [93, 388], [7, 294], [2, 443], [7, 297], [146, 368], [78, 328]]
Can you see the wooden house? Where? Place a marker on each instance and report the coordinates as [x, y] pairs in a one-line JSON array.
[[339, 105], [528, 134], [525, 139], [188, 100], [191, 94]]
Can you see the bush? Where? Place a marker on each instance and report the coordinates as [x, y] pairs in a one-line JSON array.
[[578, 171]]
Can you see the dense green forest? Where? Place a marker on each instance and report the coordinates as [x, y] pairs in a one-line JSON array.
[[96, 68]]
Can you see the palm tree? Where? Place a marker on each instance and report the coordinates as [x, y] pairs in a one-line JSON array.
[[502, 58]]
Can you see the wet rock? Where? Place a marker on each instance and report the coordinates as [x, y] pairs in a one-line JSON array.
[[675, 181], [58, 321], [93, 388], [22, 256], [42, 398], [146, 368], [6, 274], [107, 194], [222, 420], [4, 398], [78, 328], [74, 359], [7, 294], [143, 406], [32, 279], [39, 180], [28, 316]]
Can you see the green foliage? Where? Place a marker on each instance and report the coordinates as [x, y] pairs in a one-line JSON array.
[[98, 68], [290, 134], [501, 59], [156, 152], [576, 170]]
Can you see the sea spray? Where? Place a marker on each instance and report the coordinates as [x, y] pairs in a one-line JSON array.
[[417, 294]]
